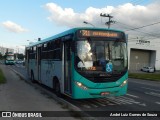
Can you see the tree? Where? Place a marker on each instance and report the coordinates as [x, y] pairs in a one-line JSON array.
[[1, 57], [19, 56]]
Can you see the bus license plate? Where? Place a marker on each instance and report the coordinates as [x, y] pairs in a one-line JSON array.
[[104, 93]]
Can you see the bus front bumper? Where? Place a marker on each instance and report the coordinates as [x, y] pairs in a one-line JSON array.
[[81, 91]]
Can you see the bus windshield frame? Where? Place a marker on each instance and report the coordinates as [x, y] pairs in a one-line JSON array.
[[93, 54]]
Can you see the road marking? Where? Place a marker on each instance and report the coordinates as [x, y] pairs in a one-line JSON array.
[[104, 100], [138, 103], [143, 104], [145, 83], [125, 100], [85, 106], [121, 101], [153, 94], [131, 101], [90, 103], [99, 103], [112, 100], [151, 89], [157, 103], [132, 96], [108, 102]]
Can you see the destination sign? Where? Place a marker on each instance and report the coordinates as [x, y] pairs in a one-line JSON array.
[[96, 33]]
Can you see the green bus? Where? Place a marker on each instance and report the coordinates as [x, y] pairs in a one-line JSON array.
[[9, 59], [81, 63]]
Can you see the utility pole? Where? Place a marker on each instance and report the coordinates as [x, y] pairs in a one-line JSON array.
[[109, 21]]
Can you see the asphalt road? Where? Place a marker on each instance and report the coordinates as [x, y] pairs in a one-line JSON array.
[[143, 95]]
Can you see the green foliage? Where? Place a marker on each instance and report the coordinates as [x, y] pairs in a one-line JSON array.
[[146, 76], [19, 56], [1, 57], [2, 78]]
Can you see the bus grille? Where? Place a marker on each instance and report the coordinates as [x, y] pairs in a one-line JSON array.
[[103, 79]]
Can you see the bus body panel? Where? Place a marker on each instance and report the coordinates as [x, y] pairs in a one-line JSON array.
[[49, 70], [101, 85], [31, 66], [94, 90]]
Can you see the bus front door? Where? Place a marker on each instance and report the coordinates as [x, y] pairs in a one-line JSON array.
[[67, 68]]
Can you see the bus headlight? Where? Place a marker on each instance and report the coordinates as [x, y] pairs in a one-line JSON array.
[[79, 84], [124, 83]]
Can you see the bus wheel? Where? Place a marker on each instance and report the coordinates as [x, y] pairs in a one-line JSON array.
[[32, 77], [57, 89]]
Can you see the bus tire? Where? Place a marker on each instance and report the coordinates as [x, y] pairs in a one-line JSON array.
[[32, 77], [57, 89]]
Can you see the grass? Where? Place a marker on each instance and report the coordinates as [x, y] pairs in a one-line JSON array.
[[2, 78], [145, 76]]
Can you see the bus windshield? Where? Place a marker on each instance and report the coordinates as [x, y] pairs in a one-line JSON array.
[[105, 56]]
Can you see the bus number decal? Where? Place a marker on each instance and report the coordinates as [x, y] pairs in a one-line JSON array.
[[86, 33]]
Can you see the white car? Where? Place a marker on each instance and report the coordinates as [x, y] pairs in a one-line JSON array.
[[147, 69], [19, 61]]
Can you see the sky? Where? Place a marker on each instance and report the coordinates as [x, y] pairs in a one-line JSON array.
[[24, 21]]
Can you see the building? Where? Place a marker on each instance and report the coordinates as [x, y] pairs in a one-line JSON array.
[[143, 53], [3, 50]]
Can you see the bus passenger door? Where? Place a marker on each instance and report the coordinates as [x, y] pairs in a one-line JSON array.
[[39, 64], [67, 67]]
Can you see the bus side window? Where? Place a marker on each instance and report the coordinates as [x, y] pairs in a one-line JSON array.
[[57, 50], [44, 47], [57, 43], [44, 51]]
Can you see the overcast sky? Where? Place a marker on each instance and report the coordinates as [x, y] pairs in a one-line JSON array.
[[29, 19]]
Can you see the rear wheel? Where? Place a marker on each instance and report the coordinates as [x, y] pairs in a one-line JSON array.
[[32, 77], [57, 89]]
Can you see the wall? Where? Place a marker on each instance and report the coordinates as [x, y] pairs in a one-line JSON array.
[[149, 45]]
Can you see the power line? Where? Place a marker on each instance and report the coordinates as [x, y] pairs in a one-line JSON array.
[[144, 26], [124, 25], [131, 27], [151, 35]]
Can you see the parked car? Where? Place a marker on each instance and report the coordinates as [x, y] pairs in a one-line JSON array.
[[19, 61], [148, 69]]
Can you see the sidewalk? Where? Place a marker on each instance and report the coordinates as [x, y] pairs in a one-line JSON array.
[[17, 95]]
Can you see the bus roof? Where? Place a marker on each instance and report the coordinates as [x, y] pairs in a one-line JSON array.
[[70, 31]]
